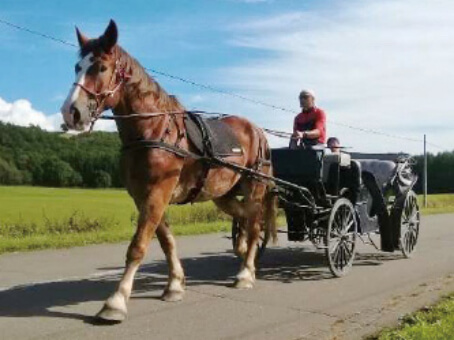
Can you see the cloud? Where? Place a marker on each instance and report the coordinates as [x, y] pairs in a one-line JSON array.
[[21, 112], [383, 65]]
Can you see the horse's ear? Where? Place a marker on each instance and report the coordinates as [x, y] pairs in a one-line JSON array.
[[110, 36], [82, 39]]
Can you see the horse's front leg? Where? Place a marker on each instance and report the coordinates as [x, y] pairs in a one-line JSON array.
[[150, 215], [174, 290]]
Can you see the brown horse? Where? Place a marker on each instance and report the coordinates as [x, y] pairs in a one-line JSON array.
[[108, 77]]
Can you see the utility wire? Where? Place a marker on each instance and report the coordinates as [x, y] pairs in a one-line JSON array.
[[43, 35], [224, 92]]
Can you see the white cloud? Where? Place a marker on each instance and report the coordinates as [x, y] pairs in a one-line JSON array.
[[21, 112], [384, 65]]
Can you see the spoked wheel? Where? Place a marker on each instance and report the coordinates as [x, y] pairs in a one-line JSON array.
[[340, 238], [409, 224], [263, 241]]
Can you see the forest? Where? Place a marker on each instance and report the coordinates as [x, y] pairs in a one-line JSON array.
[[32, 156]]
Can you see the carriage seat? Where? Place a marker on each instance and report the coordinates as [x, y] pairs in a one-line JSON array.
[[381, 170], [298, 166], [211, 136], [330, 161]]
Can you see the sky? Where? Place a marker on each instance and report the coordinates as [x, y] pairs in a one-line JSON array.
[[381, 65]]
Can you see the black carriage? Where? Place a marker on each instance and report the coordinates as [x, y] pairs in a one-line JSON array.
[[333, 200]]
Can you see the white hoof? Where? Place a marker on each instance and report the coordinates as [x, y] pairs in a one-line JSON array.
[[243, 284], [245, 279], [114, 310], [172, 295], [174, 291]]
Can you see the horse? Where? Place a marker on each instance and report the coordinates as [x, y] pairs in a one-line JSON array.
[[107, 77]]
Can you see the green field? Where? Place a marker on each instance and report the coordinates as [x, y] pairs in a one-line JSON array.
[[37, 218]]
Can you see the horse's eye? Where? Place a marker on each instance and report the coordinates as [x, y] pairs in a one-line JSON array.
[[77, 68], [102, 68]]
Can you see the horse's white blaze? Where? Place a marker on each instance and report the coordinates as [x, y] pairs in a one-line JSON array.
[[73, 94]]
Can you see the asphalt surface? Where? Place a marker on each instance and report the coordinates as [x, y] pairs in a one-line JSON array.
[[54, 294]]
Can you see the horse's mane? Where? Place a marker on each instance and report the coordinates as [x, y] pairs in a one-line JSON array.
[[141, 85]]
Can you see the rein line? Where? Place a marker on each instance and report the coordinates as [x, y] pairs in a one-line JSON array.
[[213, 160], [277, 133]]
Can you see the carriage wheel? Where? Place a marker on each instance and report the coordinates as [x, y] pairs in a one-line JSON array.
[[340, 238], [263, 241], [409, 224]]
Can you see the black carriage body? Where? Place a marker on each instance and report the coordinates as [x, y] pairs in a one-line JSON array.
[[376, 188], [387, 181], [302, 167]]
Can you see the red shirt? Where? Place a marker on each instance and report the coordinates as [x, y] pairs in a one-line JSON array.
[[311, 119]]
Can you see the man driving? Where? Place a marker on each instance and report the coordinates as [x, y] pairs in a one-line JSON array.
[[309, 127]]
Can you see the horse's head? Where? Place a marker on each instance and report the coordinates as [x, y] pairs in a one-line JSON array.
[[99, 77]]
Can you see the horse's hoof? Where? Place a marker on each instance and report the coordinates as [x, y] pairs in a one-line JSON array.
[[110, 315], [243, 284], [172, 296]]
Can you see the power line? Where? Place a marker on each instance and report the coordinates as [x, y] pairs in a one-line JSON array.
[[43, 35], [220, 91]]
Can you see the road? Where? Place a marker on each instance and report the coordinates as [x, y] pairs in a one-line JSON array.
[[54, 294]]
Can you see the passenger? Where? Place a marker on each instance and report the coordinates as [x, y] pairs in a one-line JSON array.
[[334, 145], [309, 126]]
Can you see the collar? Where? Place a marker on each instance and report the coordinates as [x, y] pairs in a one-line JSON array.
[[308, 110]]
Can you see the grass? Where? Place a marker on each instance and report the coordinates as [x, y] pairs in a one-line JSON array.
[[434, 323], [438, 204], [38, 218]]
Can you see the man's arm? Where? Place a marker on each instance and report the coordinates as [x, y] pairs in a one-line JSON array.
[[320, 122], [296, 132]]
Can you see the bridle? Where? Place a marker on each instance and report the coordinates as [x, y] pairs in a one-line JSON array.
[[112, 88]]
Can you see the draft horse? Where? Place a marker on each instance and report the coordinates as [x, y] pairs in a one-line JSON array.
[[107, 77]]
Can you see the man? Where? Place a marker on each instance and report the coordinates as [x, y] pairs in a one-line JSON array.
[[334, 145], [309, 127]]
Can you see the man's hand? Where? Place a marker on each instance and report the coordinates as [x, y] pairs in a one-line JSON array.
[[298, 135]]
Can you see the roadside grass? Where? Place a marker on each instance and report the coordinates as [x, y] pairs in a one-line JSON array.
[[433, 323], [437, 204], [39, 218]]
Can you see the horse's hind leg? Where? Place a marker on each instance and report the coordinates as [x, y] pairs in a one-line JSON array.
[[235, 208], [253, 210], [174, 290]]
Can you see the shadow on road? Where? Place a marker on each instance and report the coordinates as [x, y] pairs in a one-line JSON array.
[[277, 264]]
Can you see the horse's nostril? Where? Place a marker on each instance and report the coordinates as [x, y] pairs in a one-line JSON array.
[[76, 115]]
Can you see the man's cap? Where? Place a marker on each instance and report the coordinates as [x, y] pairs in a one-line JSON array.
[[307, 93]]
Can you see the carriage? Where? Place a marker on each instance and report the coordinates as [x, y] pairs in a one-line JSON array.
[[334, 200]]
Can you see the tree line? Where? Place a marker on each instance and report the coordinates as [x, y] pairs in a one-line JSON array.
[[32, 156]]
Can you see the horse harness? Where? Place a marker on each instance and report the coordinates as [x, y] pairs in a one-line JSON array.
[[207, 154]]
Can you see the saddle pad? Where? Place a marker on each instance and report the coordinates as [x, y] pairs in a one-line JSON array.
[[220, 140]]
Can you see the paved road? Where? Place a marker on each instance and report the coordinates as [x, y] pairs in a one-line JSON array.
[[53, 294]]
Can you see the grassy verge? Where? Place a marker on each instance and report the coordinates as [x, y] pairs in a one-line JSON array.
[[434, 323]]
